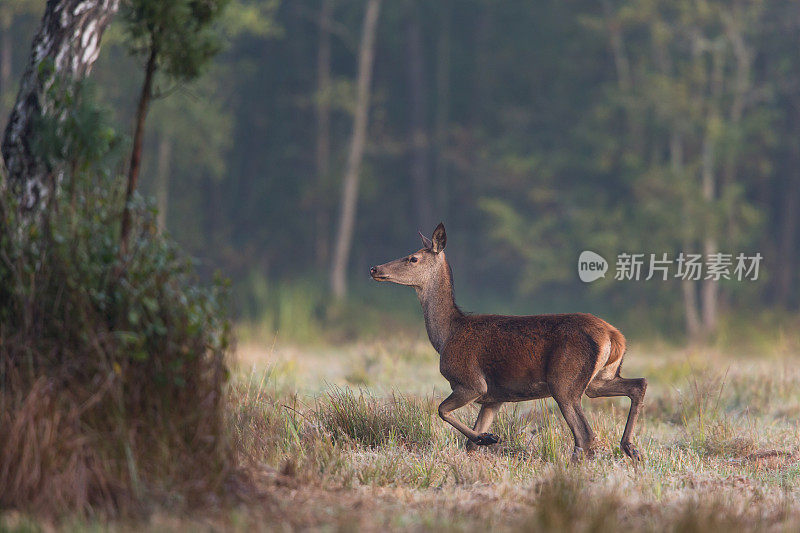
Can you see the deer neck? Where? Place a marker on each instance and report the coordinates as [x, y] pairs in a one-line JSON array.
[[438, 306]]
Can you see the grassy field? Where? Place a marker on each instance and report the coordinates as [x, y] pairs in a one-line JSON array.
[[348, 438]]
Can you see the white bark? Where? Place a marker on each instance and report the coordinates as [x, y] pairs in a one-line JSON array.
[[69, 40]]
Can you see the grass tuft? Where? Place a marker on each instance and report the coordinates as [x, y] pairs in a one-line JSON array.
[[370, 422]]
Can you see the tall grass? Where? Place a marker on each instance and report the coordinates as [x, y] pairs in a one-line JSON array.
[[708, 425], [362, 418], [552, 439]]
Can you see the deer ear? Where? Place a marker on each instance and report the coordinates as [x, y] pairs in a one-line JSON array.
[[439, 238], [426, 242]]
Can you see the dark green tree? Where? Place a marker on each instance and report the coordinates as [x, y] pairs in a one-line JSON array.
[[176, 38]]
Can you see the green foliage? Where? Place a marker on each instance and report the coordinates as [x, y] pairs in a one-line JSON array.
[[254, 17], [82, 138], [527, 166], [291, 310], [198, 127], [179, 33]]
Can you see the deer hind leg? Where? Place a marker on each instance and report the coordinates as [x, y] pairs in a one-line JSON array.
[[459, 398], [589, 437], [634, 389], [567, 379], [576, 420], [484, 421]]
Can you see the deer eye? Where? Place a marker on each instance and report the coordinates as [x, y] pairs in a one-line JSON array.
[[413, 259]]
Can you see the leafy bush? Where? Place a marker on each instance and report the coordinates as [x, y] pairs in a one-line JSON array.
[[111, 368]]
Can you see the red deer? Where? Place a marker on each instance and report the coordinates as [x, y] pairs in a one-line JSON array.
[[492, 359]]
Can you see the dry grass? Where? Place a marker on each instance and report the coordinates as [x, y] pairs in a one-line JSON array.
[[48, 461], [721, 451]]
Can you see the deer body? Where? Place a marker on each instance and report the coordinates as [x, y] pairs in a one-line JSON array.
[[503, 351], [493, 359]]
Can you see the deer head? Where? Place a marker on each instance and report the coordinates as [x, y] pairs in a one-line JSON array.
[[418, 268]]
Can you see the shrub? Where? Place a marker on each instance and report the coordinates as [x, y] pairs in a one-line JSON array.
[[111, 368]]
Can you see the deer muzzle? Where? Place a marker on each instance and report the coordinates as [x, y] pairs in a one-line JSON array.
[[377, 274]]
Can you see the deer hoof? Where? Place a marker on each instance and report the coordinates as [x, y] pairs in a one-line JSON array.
[[486, 439], [630, 451], [577, 454]]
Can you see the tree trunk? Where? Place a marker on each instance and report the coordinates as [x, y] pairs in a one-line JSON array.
[[621, 63], [6, 47], [136, 152], [742, 87], [442, 110], [347, 218], [709, 290], [692, 317], [688, 289], [162, 183], [323, 152], [68, 39], [709, 293], [418, 135], [633, 121], [787, 239], [483, 55]]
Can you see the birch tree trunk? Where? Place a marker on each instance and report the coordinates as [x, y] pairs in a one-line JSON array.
[[347, 218], [68, 40]]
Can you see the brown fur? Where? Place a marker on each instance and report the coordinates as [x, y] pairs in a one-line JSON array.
[[492, 359]]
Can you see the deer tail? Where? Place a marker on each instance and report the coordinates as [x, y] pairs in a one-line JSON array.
[[617, 351]]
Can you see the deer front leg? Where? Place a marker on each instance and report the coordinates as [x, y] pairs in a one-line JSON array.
[[484, 421], [459, 398]]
